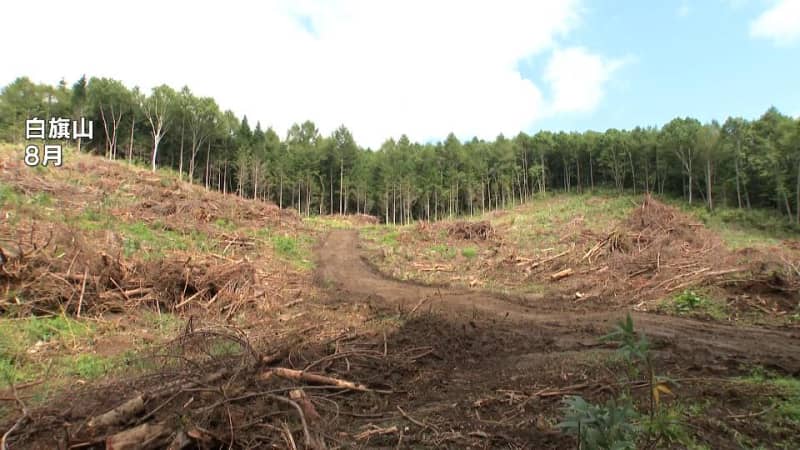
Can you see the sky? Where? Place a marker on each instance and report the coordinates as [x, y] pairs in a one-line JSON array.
[[427, 68]]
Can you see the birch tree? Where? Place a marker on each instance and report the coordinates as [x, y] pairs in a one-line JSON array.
[[155, 109]]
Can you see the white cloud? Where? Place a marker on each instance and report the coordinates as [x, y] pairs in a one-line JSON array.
[[577, 78], [381, 68], [780, 23]]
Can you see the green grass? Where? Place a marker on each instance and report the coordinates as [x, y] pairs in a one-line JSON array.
[[88, 366], [19, 337], [469, 252], [741, 228], [225, 224], [533, 224], [149, 240], [9, 197], [389, 238], [781, 415], [443, 251], [296, 250], [327, 222]]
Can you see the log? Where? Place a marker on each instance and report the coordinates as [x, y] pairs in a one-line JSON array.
[[547, 260], [299, 375], [146, 436], [120, 414], [562, 274]]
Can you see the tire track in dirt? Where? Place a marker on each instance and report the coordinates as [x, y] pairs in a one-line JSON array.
[[340, 263]]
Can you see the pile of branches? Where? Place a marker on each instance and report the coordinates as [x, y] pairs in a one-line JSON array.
[[481, 230], [194, 205], [655, 252], [63, 273], [658, 251], [213, 389]]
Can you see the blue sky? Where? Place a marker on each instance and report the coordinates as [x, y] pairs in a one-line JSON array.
[[683, 59], [427, 68]]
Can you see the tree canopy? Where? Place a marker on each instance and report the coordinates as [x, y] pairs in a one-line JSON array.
[[740, 163]]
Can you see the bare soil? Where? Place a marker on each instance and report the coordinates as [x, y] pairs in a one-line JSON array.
[[445, 368]]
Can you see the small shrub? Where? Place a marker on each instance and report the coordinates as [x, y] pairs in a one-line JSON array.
[[609, 426], [469, 252], [631, 346], [687, 301]]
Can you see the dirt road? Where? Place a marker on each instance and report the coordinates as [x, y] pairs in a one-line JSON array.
[[711, 344]]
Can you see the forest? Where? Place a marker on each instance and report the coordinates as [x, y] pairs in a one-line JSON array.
[[737, 163]]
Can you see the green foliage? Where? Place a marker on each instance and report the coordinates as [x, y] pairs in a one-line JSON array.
[[667, 428], [469, 252], [225, 224], [783, 412], [47, 328], [295, 250], [631, 346], [88, 366], [609, 426], [389, 238], [690, 302], [687, 301], [444, 251]]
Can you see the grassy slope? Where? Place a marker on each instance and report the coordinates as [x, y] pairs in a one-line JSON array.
[[59, 350]]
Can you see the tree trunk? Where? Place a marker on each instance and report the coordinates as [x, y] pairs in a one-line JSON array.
[[130, 146], [208, 166], [797, 194], [156, 140], [709, 183], [180, 163], [544, 174], [633, 171], [738, 182]]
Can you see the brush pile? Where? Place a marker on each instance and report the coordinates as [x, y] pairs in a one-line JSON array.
[[481, 230], [57, 270], [653, 253], [216, 387]]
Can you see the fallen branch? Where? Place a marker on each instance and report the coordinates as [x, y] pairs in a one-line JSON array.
[[144, 436], [561, 274], [299, 375], [120, 414]]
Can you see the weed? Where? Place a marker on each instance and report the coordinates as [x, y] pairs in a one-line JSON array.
[[389, 238], [9, 196], [687, 301], [693, 303], [609, 426], [469, 252], [444, 251], [89, 366], [49, 328], [292, 249], [224, 223], [618, 424], [631, 346]]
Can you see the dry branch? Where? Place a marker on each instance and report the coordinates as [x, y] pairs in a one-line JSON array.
[[299, 375]]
